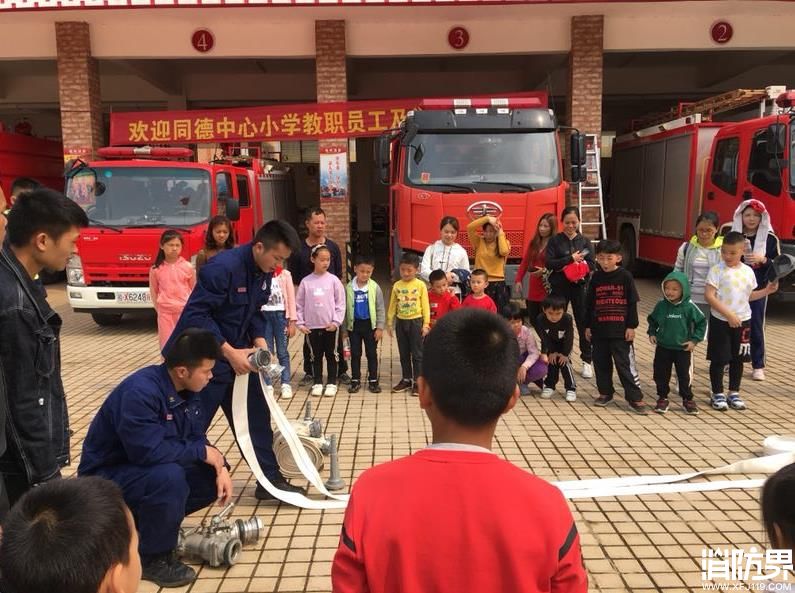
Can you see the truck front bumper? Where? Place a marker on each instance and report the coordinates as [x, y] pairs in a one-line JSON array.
[[119, 299]]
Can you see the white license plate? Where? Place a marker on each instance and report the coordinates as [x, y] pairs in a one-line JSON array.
[[133, 297]]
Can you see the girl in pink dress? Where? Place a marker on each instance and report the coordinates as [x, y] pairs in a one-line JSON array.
[[171, 281]]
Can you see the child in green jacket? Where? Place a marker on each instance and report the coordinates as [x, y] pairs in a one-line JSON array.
[[365, 315], [676, 325]]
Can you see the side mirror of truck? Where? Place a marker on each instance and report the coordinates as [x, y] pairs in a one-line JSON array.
[[775, 139], [383, 146], [232, 206], [577, 158]]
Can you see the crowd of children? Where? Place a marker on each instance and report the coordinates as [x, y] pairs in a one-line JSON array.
[[711, 288]]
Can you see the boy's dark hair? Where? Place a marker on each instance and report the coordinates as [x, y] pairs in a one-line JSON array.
[[314, 210], [410, 258], [43, 210], [469, 363], [191, 348], [733, 238], [168, 235], [479, 272], [553, 302], [436, 275], [209, 240], [609, 246], [365, 259], [23, 184], [274, 232], [451, 220], [64, 536], [511, 311], [778, 492]]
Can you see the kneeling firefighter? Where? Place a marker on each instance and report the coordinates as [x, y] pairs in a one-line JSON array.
[[149, 437]]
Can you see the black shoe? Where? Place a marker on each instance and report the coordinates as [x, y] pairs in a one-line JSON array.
[[373, 387], [639, 408], [662, 405], [690, 406], [261, 494], [166, 571], [344, 378], [307, 380], [354, 386], [403, 385], [603, 400]]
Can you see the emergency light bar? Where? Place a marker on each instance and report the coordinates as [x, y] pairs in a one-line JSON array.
[[128, 152], [517, 103]]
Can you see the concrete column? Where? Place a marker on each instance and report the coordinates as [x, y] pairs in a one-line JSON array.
[[586, 74], [331, 86], [78, 88]]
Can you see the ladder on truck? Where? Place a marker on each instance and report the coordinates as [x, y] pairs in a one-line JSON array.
[[589, 193]]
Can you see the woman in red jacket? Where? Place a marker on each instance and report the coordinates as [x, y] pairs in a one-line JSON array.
[[534, 261]]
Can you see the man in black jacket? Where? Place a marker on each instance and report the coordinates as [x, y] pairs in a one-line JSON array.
[[3, 395], [43, 227]]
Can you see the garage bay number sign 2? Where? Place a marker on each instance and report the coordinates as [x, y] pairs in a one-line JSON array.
[[309, 121]]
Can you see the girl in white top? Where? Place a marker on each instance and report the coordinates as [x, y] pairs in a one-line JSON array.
[[445, 254], [697, 256]]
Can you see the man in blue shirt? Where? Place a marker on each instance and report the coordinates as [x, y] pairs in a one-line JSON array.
[[149, 437], [227, 301]]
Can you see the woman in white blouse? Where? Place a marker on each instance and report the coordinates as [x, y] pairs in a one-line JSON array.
[[445, 254]]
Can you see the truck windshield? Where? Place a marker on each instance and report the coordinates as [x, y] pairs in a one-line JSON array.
[[515, 159], [142, 196]]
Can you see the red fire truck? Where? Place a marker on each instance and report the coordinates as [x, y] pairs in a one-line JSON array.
[[666, 173], [27, 156], [134, 194], [469, 158]]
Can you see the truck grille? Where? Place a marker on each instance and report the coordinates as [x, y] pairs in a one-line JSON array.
[[516, 239]]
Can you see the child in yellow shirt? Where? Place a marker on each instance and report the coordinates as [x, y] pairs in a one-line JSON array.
[[491, 254], [411, 313]]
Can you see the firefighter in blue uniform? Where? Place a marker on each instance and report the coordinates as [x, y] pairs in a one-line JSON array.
[[149, 437], [229, 294]]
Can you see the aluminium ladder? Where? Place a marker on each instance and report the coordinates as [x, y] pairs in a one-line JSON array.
[[589, 192]]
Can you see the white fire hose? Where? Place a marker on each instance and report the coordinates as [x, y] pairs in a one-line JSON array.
[[779, 451]]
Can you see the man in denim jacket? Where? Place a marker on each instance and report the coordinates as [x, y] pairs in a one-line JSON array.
[[43, 227]]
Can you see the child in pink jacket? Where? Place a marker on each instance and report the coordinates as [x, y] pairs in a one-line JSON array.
[[280, 318], [171, 280]]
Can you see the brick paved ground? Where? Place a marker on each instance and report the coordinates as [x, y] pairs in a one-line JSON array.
[[645, 543]]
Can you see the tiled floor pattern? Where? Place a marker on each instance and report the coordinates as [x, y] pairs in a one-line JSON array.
[[643, 543]]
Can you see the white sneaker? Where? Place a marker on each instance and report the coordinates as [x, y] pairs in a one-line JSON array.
[[317, 389], [547, 393], [330, 390], [758, 375], [571, 396], [587, 370], [287, 391]]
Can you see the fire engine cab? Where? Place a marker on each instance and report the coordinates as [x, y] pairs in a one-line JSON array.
[[469, 158], [134, 194]]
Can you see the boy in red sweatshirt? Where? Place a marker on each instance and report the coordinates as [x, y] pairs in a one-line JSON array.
[[440, 298], [471, 521]]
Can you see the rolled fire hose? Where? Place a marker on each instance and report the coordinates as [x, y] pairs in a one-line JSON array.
[[284, 457], [780, 451], [304, 463]]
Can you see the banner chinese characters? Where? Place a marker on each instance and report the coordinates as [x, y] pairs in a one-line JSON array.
[[309, 121]]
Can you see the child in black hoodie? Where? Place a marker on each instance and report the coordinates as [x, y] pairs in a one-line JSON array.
[[611, 316]]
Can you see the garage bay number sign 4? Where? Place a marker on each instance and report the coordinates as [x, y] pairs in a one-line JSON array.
[[132, 196]]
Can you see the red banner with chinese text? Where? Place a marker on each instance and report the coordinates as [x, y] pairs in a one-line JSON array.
[[308, 121]]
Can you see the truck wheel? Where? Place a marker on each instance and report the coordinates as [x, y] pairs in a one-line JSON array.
[[106, 319], [629, 249]]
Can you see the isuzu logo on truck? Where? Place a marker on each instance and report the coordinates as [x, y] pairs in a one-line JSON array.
[[136, 257]]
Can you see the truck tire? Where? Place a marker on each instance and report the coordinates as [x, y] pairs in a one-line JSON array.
[[107, 319], [629, 253]]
